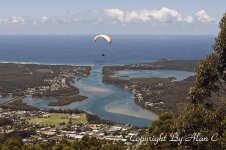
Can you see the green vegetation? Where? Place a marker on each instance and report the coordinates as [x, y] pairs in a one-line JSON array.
[[42, 81], [165, 64], [185, 65], [16, 79], [18, 105], [60, 92], [154, 90], [153, 80], [93, 119], [56, 119], [86, 143], [63, 100], [201, 116]]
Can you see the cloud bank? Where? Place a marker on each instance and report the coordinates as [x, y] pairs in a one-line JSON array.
[[95, 17], [163, 15], [12, 20]]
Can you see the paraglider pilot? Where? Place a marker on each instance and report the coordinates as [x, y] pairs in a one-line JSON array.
[[106, 37]]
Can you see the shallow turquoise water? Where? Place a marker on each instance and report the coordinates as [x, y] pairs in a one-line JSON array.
[[5, 99], [179, 75]]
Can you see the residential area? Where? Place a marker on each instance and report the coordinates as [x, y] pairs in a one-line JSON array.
[[45, 126]]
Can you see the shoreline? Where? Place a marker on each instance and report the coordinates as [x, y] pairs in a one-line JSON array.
[[126, 112], [40, 63]]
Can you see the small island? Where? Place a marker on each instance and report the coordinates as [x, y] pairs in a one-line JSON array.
[[37, 80]]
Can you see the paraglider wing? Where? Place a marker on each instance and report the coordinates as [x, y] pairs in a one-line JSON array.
[[106, 37]]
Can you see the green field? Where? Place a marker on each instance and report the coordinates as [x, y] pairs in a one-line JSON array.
[[57, 118]]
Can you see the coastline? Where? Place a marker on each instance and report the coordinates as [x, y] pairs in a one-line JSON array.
[[41, 63]]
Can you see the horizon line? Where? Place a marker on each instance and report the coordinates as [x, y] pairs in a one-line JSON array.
[[108, 34]]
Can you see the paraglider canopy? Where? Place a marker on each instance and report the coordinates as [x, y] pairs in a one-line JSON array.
[[105, 36]]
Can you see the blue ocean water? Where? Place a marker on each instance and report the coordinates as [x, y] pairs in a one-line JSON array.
[[82, 50]]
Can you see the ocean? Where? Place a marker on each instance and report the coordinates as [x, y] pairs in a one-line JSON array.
[[68, 49]]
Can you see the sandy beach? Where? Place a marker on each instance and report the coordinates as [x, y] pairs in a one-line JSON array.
[[127, 110]]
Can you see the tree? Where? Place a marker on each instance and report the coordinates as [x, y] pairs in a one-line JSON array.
[[211, 72], [201, 116], [206, 122], [161, 126], [220, 47], [210, 78], [43, 146], [207, 76], [14, 143], [63, 145]]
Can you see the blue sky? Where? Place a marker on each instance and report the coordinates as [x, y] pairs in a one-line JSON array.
[[111, 17]]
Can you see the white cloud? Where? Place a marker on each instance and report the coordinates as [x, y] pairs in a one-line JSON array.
[[116, 13], [12, 20], [45, 19], [166, 15], [189, 19], [163, 15], [202, 16], [49, 21], [17, 20]]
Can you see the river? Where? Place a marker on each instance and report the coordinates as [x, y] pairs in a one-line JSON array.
[[108, 101]]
